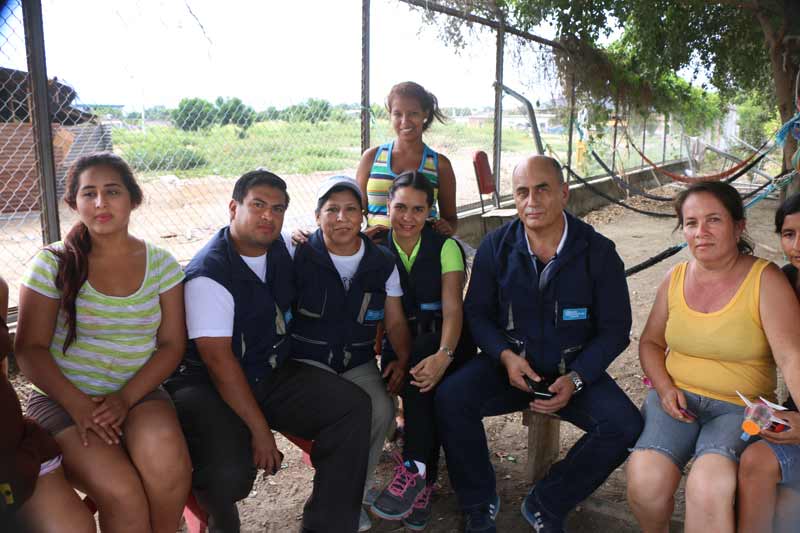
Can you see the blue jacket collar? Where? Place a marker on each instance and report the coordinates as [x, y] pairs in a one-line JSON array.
[[576, 243]]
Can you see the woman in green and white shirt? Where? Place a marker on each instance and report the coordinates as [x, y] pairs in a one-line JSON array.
[[100, 326]]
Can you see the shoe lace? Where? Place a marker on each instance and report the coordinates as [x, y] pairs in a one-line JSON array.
[[538, 522], [424, 498], [403, 479]]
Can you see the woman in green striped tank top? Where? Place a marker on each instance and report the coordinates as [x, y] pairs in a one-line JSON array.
[[412, 110], [100, 326]]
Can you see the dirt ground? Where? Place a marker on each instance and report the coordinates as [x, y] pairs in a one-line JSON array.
[[275, 503]]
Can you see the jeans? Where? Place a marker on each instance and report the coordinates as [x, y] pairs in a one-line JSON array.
[[716, 429], [481, 388], [299, 399]]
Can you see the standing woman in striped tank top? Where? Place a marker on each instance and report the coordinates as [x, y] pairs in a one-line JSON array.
[[412, 110], [100, 326]]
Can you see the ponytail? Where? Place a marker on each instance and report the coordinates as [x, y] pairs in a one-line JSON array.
[[73, 271]]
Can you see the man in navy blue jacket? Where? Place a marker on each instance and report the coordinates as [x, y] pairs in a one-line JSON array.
[[547, 304]]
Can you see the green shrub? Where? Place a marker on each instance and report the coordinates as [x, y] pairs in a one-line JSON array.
[[149, 157], [194, 114]]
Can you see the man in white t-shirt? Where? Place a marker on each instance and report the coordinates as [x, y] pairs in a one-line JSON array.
[[236, 382]]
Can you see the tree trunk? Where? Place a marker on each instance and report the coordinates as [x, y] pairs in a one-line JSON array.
[[780, 57], [784, 90]]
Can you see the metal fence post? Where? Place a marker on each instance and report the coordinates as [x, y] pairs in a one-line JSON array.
[[614, 142], [644, 136], [571, 121], [365, 108], [498, 112], [664, 141], [40, 118]]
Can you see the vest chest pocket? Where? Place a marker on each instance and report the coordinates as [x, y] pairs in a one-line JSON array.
[[312, 303], [371, 311]]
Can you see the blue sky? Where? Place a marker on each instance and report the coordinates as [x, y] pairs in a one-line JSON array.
[[269, 53]]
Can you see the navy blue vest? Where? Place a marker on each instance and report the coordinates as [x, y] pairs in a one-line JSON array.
[[262, 310], [331, 325], [422, 291], [422, 286]]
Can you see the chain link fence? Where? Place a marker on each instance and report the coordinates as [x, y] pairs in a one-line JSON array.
[[240, 111], [20, 228]]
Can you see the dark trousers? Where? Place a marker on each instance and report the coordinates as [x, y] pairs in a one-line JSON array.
[[421, 436], [481, 388], [298, 399]]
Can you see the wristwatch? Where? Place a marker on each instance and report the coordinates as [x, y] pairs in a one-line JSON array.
[[446, 350], [576, 380]]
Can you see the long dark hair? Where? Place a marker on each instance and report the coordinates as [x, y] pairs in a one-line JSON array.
[[728, 196], [73, 259], [427, 101], [790, 206]]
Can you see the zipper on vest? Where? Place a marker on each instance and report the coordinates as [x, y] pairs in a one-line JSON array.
[[305, 312], [362, 343], [306, 339]]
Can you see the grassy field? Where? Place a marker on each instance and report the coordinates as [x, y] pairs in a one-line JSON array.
[[284, 147], [304, 147]]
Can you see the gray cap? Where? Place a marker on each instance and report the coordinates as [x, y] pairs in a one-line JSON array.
[[335, 181]]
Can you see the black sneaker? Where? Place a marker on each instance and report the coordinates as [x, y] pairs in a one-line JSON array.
[[396, 501], [482, 519], [421, 511], [539, 519]]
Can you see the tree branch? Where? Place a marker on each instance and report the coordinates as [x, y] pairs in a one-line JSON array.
[[769, 31], [752, 6]]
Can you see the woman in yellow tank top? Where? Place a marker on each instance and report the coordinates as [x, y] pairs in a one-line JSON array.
[[719, 324]]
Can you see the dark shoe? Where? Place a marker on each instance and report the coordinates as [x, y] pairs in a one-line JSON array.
[[540, 520], [482, 518], [397, 499], [421, 511]]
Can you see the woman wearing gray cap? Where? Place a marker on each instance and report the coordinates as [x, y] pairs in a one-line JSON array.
[[345, 286]]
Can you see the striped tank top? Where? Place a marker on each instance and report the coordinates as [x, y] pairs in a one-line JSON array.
[[381, 177], [115, 335]]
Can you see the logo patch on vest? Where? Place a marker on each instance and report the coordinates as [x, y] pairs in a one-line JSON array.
[[374, 314], [579, 313]]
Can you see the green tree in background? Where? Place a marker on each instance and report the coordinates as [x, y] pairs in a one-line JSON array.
[[312, 110], [756, 115], [194, 114], [234, 111], [742, 45]]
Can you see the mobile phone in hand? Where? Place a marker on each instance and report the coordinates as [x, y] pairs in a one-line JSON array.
[[539, 389]]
